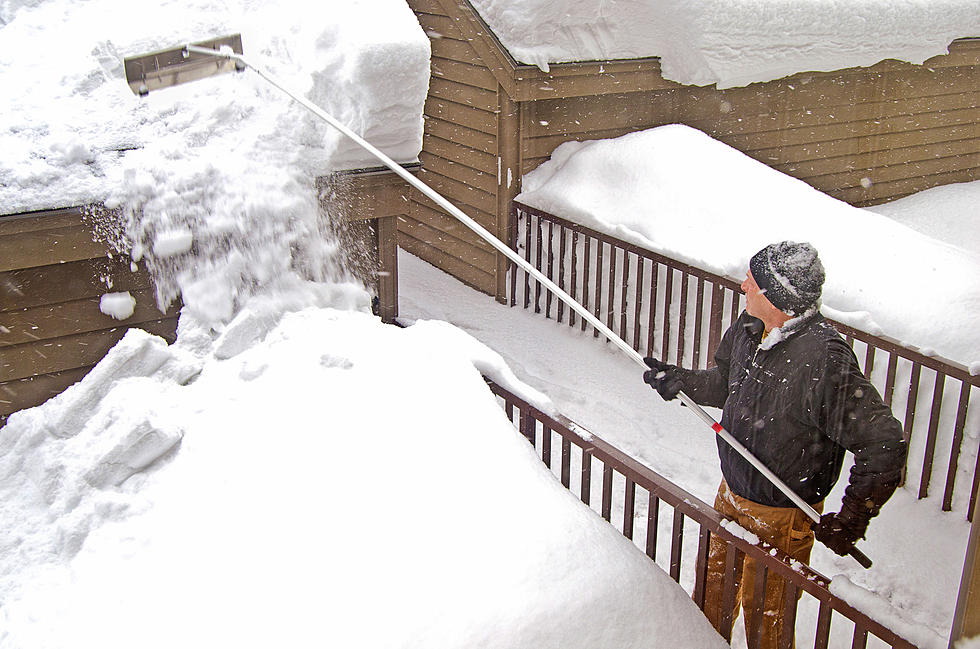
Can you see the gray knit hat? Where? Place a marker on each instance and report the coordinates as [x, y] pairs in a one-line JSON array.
[[790, 274]]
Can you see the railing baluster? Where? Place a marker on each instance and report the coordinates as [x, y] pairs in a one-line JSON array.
[[538, 266], [733, 564], [638, 307], [869, 361], [607, 478], [701, 567], [527, 425], [629, 506], [652, 318], [546, 446], [574, 292], [910, 408], [754, 632], [930, 452], [624, 295], [551, 268], [566, 462], [676, 545], [512, 236], [890, 378], [698, 321], [586, 273], [597, 308], [860, 640], [585, 486], [822, 638], [788, 634], [954, 452], [734, 309], [714, 325], [668, 298], [611, 291], [562, 233], [682, 319], [653, 523]]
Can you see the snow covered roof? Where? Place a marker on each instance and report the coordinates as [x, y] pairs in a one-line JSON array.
[[729, 42], [71, 127], [676, 191]]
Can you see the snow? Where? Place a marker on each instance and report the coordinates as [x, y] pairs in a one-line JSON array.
[[291, 471], [920, 211], [729, 42], [665, 187], [172, 242], [258, 493], [117, 305]]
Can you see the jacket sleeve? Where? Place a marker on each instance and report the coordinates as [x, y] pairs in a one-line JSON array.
[[710, 387], [856, 418]]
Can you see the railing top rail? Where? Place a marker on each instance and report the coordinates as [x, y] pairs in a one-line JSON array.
[[800, 575], [949, 367]]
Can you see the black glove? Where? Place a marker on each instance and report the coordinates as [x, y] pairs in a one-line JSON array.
[[664, 378], [840, 531]]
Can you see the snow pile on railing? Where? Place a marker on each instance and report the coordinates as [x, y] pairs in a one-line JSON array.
[[679, 192], [729, 42]]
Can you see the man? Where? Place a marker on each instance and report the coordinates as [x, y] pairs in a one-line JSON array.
[[791, 392]]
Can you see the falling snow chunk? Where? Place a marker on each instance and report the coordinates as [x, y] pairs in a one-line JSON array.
[[168, 243], [117, 305]]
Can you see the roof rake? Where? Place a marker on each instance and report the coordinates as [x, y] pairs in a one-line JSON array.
[[195, 61]]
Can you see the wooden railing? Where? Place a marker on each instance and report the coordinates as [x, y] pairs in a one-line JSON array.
[[657, 515], [678, 313]]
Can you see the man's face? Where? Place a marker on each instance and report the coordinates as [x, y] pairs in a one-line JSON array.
[[756, 302]]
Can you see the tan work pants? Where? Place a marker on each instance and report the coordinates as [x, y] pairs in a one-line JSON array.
[[786, 528]]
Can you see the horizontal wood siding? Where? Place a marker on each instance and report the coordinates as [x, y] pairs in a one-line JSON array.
[[52, 275], [459, 154], [865, 136]]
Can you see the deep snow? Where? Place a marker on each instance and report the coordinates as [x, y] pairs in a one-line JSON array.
[[730, 42], [306, 479], [243, 485]]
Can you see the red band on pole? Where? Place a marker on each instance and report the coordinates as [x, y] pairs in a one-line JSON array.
[[717, 427]]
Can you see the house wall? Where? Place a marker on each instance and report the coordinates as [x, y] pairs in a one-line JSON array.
[[52, 275], [459, 155], [865, 136]]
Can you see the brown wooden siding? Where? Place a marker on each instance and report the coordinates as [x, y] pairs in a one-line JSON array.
[[52, 275], [459, 155], [904, 128]]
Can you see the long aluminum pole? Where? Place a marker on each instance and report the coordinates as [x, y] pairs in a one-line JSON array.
[[505, 250]]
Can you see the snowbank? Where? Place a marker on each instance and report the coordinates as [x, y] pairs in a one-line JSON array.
[[948, 213], [677, 191], [729, 42], [305, 478]]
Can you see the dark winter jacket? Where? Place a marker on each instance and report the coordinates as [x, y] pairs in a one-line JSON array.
[[797, 402]]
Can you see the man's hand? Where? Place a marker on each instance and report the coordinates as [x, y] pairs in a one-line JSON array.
[[839, 532], [664, 378]]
